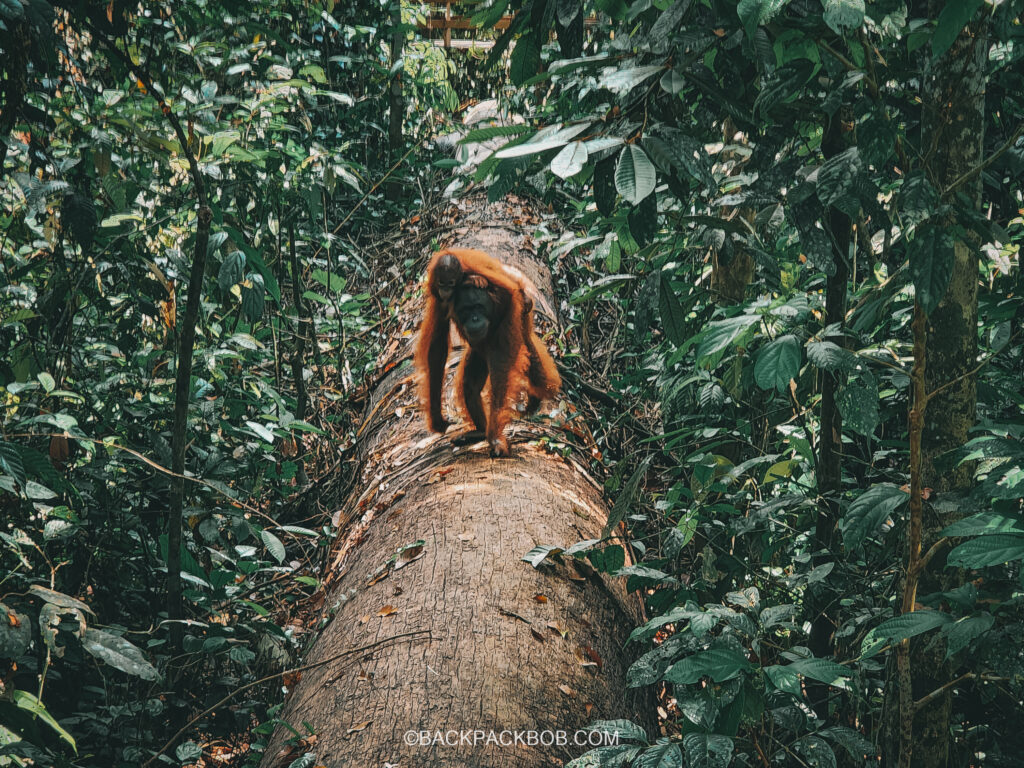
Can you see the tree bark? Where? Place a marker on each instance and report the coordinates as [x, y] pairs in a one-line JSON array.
[[504, 646], [830, 434], [396, 105], [952, 141]]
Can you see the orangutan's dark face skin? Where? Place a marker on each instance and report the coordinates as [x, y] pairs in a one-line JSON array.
[[474, 309]]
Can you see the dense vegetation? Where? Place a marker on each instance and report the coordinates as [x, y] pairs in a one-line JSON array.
[[791, 273]]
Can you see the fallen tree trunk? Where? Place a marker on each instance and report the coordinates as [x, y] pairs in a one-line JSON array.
[[510, 660]]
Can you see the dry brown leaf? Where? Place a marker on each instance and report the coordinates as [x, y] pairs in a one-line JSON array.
[[537, 634], [387, 610], [540, 598], [558, 627], [364, 619], [408, 555], [567, 690], [356, 728]]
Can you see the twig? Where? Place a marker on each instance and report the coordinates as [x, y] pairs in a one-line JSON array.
[[968, 175], [274, 676]]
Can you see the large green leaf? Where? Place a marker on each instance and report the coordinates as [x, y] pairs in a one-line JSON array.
[[959, 634], [901, 628], [673, 317], [622, 81], [869, 510], [754, 13], [570, 161], [525, 60], [829, 356], [931, 264], [664, 754], [987, 550], [231, 270], [843, 15], [119, 653], [837, 177], [953, 18], [721, 333], [634, 176], [859, 408], [777, 363], [31, 704], [720, 664], [707, 750]]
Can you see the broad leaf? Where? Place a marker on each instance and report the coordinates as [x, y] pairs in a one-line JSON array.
[[931, 264], [777, 363], [634, 176], [869, 510], [570, 161], [987, 550], [118, 652], [720, 664], [231, 270], [707, 750], [901, 628], [843, 15]]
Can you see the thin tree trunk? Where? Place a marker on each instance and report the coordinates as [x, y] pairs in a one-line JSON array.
[[830, 434], [396, 106], [952, 140], [504, 646]]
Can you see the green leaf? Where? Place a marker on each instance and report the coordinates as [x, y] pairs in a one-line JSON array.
[[859, 408], [15, 633], [869, 510], [539, 554], [721, 333], [987, 550], [273, 545], [10, 462], [816, 752], [664, 754], [984, 524], [959, 634], [720, 664], [621, 729], [837, 177], [253, 298], [119, 653], [830, 356], [931, 264], [622, 81], [755, 13], [953, 18], [777, 363], [617, 9], [707, 750], [478, 135], [918, 199], [265, 434], [570, 161], [853, 742], [626, 498], [822, 670], [900, 628], [634, 176], [37, 709], [673, 317], [843, 14], [525, 60], [231, 270]]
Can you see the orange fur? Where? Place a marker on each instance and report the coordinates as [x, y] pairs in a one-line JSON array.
[[511, 359]]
